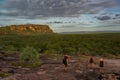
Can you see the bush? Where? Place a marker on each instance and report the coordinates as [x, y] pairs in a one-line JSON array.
[[3, 75], [29, 57]]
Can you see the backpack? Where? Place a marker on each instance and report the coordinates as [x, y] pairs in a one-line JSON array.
[[64, 60]]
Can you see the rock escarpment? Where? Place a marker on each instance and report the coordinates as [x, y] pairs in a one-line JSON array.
[[26, 28]]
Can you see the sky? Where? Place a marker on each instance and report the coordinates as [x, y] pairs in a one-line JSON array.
[[63, 15]]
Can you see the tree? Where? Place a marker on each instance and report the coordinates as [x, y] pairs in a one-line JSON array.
[[29, 57]]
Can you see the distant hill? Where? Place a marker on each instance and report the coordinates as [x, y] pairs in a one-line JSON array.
[[89, 32], [25, 29]]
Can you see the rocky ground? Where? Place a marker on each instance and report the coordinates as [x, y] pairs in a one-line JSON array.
[[53, 69]]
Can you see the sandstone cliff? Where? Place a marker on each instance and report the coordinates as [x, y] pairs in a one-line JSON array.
[[26, 28]]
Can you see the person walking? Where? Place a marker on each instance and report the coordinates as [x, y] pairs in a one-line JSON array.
[[65, 62], [101, 65], [91, 61]]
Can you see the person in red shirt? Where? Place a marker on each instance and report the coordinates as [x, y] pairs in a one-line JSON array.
[[65, 62]]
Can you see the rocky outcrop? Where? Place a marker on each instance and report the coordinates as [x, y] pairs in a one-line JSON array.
[[25, 28]]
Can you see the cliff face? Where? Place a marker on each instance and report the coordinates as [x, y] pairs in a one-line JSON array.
[[25, 28]]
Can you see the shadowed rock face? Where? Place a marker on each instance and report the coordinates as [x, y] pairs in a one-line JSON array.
[[25, 28]]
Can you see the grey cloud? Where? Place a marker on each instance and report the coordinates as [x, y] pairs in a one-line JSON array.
[[9, 13], [62, 8], [6, 19], [102, 3], [106, 16], [103, 18], [117, 15]]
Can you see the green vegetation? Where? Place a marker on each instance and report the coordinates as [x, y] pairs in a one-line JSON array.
[[103, 44], [3, 75], [29, 57]]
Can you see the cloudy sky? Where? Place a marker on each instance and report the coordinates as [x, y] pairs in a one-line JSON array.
[[63, 15]]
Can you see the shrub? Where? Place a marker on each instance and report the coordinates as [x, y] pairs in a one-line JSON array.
[[3, 75], [29, 57]]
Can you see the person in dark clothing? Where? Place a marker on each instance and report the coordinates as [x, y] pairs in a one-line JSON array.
[[91, 62], [101, 65], [65, 62]]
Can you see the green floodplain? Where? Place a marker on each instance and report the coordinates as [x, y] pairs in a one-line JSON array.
[[98, 44]]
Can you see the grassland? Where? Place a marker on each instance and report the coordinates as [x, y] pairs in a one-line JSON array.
[[104, 44]]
